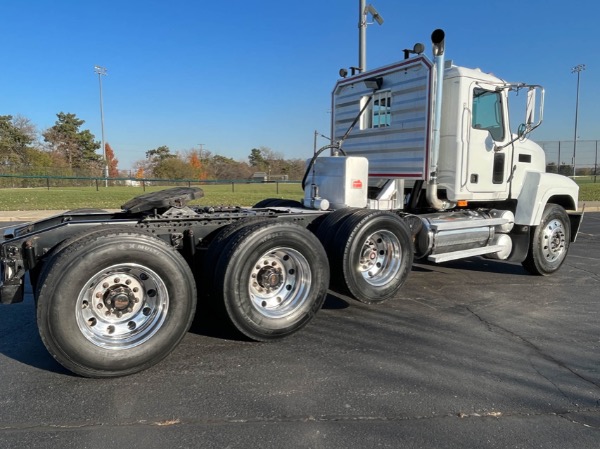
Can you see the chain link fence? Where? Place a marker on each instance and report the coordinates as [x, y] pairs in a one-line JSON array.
[[27, 177], [562, 156]]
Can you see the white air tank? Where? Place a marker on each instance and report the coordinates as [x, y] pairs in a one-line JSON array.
[[343, 181]]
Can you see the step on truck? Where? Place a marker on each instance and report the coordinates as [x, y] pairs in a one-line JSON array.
[[424, 165]]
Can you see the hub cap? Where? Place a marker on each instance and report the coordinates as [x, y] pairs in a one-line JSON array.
[[122, 306], [553, 241], [380, 258], [279, 282]]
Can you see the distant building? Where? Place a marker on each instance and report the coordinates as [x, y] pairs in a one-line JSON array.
[[260, 176]]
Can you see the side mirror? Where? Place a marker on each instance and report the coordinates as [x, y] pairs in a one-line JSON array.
[[530, 112], [531, 121]]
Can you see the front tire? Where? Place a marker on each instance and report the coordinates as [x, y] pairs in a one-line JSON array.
[[115, 303], [549, 243]]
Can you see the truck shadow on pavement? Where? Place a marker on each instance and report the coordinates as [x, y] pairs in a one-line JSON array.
[[20, 341], [472, 264], [19, 338], [210, 322]]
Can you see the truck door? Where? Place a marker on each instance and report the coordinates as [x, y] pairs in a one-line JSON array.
[[488, 167]]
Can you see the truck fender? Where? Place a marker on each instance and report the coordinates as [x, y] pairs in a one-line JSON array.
[[541, 188]]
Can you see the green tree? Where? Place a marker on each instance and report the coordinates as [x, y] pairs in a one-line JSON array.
[[38, 161], [173, 168], [77, 147], [267, 160], [159, 154], [256, 159], [156, 157], [16, 139]]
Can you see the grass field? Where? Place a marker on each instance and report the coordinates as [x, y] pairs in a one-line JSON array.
[[66, 198], [589, 192]]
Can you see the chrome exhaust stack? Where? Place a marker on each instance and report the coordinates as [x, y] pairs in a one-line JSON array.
[[437, 40]]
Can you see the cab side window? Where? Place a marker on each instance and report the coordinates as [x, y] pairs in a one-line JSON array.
[[487, 113]]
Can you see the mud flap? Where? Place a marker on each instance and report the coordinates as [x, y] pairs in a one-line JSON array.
[[520, 236]]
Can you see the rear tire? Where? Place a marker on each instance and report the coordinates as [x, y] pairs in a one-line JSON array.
[[41, 269], [272, 279], [330, 225], [115, 303], [549, 243], [371, 255]]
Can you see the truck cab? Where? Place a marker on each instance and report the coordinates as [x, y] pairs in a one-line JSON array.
[[434, 142], [481, 160]]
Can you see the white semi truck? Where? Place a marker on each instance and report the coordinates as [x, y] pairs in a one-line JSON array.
[[424, 165]]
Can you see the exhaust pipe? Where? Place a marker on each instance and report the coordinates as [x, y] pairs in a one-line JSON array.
[[437, 39]]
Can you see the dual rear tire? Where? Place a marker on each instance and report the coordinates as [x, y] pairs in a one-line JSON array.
[[270, 278], [370, 252]]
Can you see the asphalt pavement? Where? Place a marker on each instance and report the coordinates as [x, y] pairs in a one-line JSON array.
[[470, 354]]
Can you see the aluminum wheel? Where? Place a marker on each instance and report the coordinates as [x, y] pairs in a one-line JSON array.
[[554, 238], [280, 282], [122, 306], [380, 258], [549, 242]]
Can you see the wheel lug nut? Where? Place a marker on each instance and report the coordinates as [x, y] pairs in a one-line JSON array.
[[99, 306], [119, 314], [128, 281], [105, 285], [98, 295], [129, 309], [117, 280], [135, 289]]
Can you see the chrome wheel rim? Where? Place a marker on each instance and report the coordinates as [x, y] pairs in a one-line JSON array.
[[553, 241], [279, 282], [380, 258], [122, 306]]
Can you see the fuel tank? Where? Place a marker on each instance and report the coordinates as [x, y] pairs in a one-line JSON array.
[[459, 231]]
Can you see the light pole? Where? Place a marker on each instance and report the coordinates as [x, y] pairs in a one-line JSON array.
[[363, 11], [101, 71], [577, 69]]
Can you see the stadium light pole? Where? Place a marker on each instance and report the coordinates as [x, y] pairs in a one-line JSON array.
[[101, 71], [577, 69]]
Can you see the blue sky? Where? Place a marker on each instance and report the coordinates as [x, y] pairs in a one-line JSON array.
[[235, 75]]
